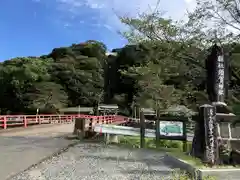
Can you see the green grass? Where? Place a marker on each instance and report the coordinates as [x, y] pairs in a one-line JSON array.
[[195, 161], [187, 158], [172, 147], [150, 143], [181, 175]]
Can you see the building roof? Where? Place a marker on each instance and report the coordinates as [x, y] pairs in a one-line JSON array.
[[77, 109], [148, 111], [111, 54], [108, 106]]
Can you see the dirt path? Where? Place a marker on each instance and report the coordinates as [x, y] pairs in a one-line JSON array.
[[21, 149]]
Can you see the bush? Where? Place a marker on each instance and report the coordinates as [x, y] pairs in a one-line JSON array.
[[170, 144]]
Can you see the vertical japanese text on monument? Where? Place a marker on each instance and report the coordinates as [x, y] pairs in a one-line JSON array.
[[220, 76], [210, 138], [211, 133]]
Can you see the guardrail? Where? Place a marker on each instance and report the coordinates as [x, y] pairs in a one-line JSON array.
[[29, 120], [128, 131], [123, 130]]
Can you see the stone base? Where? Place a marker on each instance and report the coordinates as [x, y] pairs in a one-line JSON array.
[[111, 138], [200, 173], [222, 107], [79, 128], [80, 134]]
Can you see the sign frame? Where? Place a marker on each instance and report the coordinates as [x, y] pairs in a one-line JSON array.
[[181, 137]]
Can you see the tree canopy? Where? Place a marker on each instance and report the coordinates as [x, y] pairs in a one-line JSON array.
[[68, 76], [162, 66]]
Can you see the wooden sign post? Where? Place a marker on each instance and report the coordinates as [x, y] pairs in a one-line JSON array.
[[142, 129]]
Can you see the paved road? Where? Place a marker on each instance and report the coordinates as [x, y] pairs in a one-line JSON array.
[[97, 162], [19, 150]]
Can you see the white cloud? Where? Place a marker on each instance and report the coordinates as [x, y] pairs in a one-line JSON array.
[[106, 11], [191, 4], [188, 1], [103, 13]]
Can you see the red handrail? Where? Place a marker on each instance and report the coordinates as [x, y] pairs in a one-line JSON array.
[[27, 120]]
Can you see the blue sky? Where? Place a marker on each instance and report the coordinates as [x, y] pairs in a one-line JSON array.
[[35, 27]]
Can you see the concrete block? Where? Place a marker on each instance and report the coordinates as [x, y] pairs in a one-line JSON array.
[[228, 173], [111, 138]]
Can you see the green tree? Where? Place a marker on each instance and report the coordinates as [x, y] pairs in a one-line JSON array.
[[218, 21], [219, 18], [68, 76], [169, 53], [79, 69], [22, 79]]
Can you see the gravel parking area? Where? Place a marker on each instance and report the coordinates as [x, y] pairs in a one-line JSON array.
[[89, 161]]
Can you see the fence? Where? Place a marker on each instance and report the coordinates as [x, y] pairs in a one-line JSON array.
[[29, 120]]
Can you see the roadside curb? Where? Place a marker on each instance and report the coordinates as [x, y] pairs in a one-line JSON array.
[[200, 173], [177, 163], [48, 157]]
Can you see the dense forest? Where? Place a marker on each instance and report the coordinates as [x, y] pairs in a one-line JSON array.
[[162, 66]]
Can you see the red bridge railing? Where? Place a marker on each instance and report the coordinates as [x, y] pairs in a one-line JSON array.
[[29, 120]]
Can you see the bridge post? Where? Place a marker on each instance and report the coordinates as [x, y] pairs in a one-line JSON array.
[[25, 121], [4, 122], [79, 128]]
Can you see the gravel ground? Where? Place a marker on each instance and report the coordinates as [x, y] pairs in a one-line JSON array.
[[88, 161], [19, 150]]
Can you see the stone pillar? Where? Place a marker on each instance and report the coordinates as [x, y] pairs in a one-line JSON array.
[[205, 144], [79, 128], [211, 155], [217, 75], [220, 79]]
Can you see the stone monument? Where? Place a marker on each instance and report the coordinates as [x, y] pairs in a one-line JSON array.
[[206, 136]]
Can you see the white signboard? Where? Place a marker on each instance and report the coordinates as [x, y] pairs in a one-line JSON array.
[[171, 128]]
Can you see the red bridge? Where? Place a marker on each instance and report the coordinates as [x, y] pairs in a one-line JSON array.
[[25, 121]]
